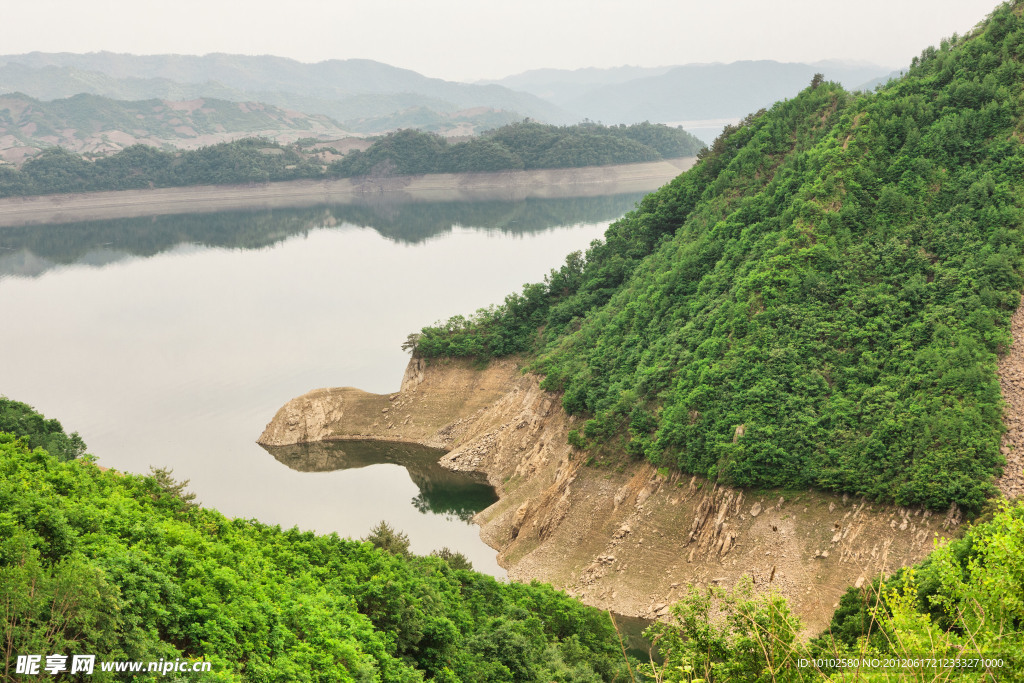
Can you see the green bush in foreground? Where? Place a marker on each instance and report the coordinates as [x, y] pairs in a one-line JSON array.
[[123, 566]]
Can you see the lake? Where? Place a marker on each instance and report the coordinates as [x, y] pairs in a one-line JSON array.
[[171, 341]]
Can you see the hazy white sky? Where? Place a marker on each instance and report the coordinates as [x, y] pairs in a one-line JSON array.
[[477, 39]]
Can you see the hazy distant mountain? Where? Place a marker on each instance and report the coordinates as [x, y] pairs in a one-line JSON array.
[[57, 82], [274, 79], [683, 93], [368, 97], [365, 113], [92, 124], [561, 86], [708, 91]]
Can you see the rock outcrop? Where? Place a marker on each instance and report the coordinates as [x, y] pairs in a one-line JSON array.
[[628, 539], [431, 417], [1011, 381]]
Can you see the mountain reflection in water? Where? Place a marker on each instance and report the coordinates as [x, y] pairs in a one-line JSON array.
[[31, 250], [441, 491], [170, 341]]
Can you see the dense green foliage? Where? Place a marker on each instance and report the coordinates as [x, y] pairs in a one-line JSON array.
[[121, 566], [819, 302], [522, 145], [25, 422], [252, 160], [385, 537], [736, 635], [257, 160]]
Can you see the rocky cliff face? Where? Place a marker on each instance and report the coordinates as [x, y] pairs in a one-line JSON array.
[[1011, 382], [631, 540]]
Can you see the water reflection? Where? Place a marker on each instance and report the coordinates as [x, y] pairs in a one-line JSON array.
[[457, 495], [171, 341], [29, 251]]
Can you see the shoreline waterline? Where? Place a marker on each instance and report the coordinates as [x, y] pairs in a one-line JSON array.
[[589, 181]]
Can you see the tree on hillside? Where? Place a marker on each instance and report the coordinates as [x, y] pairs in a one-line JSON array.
[[385, 537]]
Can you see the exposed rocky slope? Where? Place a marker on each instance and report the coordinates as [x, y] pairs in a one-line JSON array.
[[630, 540], [1011, 382]]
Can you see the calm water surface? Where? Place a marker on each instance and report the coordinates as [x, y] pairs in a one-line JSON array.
[[171, 342]]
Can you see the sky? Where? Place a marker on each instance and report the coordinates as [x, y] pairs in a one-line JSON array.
[[469, 40]]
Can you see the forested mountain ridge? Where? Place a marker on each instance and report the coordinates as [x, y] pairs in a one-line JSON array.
[[524, 145], [818, 303]]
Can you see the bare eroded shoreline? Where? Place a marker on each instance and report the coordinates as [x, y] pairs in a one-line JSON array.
[[588, 181]]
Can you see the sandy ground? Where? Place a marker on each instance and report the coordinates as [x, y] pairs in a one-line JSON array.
[[507, 185]]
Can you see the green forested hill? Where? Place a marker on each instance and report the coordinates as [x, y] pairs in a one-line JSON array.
[[126, 568], [528, 145], [819, 302], [523, 145]]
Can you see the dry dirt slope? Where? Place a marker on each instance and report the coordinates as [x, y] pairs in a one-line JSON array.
[[631, 541], [1011, 381]]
